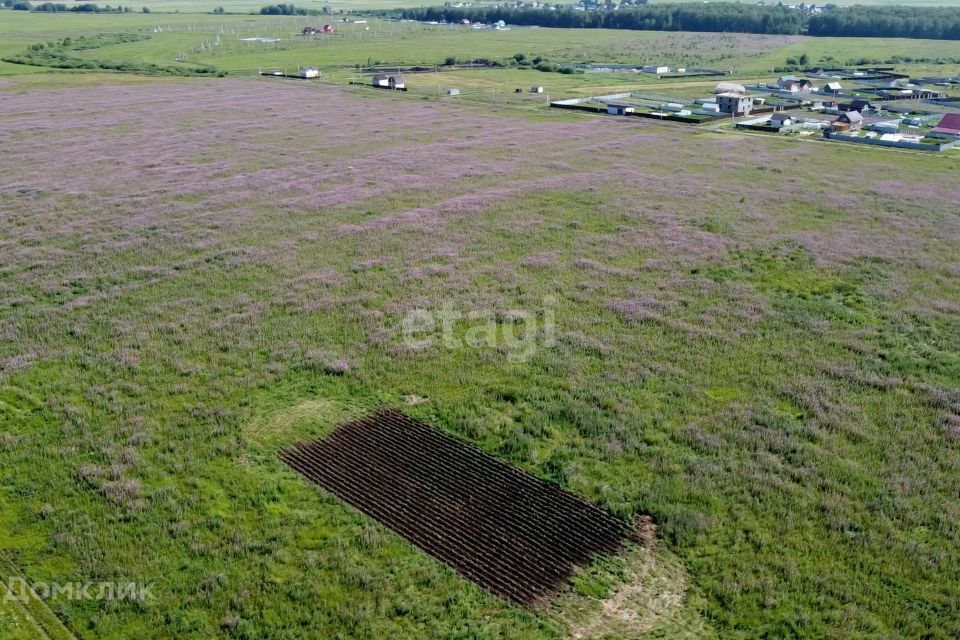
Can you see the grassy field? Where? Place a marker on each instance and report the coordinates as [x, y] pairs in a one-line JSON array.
[[219, 41], [754, 337], [753, 344]]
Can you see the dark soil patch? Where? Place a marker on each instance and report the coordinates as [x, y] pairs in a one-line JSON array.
[[510, 532]]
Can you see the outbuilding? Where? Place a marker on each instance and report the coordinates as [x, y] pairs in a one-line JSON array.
[[393, 81], [780, 120], [309, 72], [618, 109]]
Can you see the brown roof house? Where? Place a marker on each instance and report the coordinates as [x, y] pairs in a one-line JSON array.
[[848, 122]]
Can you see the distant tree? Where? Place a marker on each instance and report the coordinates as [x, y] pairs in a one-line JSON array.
[[145, 9], [804, 60]]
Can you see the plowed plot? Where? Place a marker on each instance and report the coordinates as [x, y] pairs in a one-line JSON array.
[[509, 532]]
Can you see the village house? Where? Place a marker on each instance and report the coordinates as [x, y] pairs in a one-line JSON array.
[[949, 127], [832, 87], [735, 103], [848, 122], [793, 84], [860, 105]]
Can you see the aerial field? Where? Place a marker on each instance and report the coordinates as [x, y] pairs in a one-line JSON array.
[[227, 43], [740, 338]]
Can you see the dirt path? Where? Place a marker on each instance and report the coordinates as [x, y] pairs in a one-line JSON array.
[[35, 612]]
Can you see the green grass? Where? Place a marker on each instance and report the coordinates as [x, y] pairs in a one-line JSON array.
[[757, 343], [776, 403], [195, 36]]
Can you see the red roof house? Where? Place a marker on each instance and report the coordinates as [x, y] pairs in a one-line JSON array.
[[949, 126]]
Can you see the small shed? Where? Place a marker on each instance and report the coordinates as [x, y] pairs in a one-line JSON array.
[[396, 81], [453, 92], [536, 89], [619, 109], [309, 72], [832, 87], [653, 68]]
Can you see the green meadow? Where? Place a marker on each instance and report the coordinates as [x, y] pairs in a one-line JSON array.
[[224, 42], [753, 342]]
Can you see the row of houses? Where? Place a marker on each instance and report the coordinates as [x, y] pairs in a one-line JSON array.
[[793, 84], [850, 125]]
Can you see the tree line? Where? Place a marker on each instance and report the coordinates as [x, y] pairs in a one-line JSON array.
[[886, 22], [687, 17], [938, 23], [56, 7]]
